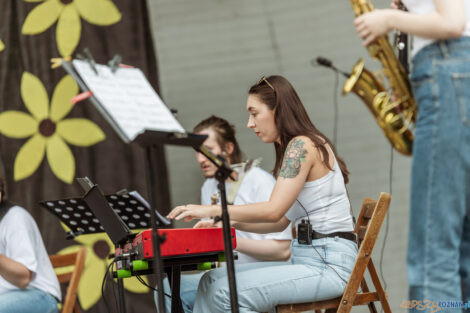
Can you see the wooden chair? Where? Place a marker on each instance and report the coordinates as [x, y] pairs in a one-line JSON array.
[[71, 278], [367, 229]]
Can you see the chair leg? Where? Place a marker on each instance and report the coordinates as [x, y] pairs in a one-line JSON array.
[[365, 288], [76, 309], [379, 288]]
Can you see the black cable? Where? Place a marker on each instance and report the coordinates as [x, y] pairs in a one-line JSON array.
[[142, 281], [116, 297], [335, 103], [102, 287], [323, 260]]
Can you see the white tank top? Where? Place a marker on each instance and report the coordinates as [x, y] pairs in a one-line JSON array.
[[327, 203], [427, 6]]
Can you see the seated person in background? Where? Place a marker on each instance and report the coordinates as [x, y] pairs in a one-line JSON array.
[[28, 283], [252, 184]]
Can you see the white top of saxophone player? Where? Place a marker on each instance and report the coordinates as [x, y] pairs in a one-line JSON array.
[[427, 6]]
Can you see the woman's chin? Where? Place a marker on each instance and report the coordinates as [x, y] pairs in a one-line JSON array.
[[266, 140]]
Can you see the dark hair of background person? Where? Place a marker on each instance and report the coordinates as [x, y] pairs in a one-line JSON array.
[[225, 133], [2, 188], [291, 119]]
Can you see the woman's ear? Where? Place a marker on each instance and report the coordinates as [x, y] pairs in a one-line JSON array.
[[229, 147]]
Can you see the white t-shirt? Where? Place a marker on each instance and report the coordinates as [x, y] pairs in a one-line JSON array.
[[427, 6], [257, 186], [21, 241]]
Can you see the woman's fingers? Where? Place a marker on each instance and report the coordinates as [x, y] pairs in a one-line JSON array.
[[205, 224], [364, 33], [369, 39], [177, 211], [182, 215]]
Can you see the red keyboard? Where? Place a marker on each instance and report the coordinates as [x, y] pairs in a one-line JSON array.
[[179, 241]]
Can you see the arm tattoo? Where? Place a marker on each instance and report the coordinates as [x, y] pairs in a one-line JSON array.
[[295, 153]]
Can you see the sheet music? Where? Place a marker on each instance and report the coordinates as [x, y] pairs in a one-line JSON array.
[[128, 98]]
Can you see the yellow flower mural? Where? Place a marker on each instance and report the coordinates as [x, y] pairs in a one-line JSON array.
[[48, 129], [67, 13], [98, 247], [2, 45]]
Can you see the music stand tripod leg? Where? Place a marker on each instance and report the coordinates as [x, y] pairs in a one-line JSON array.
[[221, 175], [156, 239]]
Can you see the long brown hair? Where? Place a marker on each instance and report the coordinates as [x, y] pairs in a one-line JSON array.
[[225, 133], [291, 119]]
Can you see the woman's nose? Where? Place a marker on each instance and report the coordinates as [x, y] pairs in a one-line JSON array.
[[250, 123], [200, 157]]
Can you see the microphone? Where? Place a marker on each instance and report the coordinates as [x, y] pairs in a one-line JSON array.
[[324, 62], [327, 63]]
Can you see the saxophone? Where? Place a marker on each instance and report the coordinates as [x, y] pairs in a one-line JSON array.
[[395, 116]]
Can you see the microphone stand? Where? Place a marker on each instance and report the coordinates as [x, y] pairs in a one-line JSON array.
[[221, 175]]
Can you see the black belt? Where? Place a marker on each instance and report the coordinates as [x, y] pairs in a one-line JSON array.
[[341, 234]]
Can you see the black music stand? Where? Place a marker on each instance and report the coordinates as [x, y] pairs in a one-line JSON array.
[[133, 210], [92, 214]]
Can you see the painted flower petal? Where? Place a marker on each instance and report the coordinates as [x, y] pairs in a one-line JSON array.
[[2, 46], [98, 12], [29, 157], [133, 285], [65, 90], [69, 28], [60, 159], [89, 289], [80, 132], [42, 17], [17, 124], [34, 96]]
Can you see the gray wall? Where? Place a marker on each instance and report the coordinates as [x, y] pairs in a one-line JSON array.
[[211, 51]]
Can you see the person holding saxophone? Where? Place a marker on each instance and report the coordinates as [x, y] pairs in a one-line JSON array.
[[438, 261]]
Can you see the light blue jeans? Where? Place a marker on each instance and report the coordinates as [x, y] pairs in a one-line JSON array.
[[27, 301], [438, 259], [189, 284], [313, 274]]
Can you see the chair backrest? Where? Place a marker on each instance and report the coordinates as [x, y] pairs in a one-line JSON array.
[[72, 277], [367, 229]]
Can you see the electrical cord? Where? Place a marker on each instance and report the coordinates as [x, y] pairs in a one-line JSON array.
[[321, 257], [116, 297], [103, 285], [335, 103], [142, 281]]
